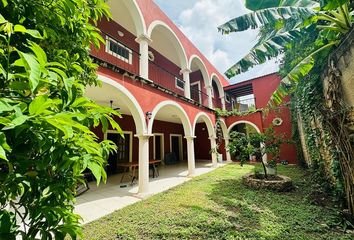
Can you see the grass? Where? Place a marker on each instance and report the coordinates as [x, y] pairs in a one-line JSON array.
[[217, 206]]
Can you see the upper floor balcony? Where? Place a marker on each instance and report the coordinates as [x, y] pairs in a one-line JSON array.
[[157, 58]]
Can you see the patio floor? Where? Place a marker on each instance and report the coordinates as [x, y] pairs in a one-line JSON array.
[[106, 198]]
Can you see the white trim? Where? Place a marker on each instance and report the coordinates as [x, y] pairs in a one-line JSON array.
[[130, 133], [215, 78], [179, 111], [183, 58], [227, 98], [202, 68], [199, 88], [176, 85], [180, 143], [207, 121], [225, 132], [108, 50], [129, 100], [243, 121], [162, 145]]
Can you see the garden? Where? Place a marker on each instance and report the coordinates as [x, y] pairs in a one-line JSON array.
[[218, 205]]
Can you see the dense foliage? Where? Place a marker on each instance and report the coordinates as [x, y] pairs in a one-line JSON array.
[[46, 140], [262, 144], [287, 21]]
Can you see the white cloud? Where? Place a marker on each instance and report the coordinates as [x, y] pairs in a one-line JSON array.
[[199, 23]]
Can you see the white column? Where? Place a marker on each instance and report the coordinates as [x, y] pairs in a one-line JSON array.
[[210, 98], [228, 155], [144, 42], [190, 155], [214, 154], [187, 84], [143, 163], [223, 103]]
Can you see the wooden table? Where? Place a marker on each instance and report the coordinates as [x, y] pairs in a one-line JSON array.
[[135, 165]]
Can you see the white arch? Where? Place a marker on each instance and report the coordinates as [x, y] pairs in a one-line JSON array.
[[202, 68], [215, 78], [180, 113], [131, 103], [136, 14], [207, 121], [224, 129], [243, 121], [183, 57]]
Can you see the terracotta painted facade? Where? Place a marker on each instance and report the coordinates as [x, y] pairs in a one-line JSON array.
[[146, 99]]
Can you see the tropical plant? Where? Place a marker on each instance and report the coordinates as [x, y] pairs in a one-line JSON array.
[[46, 142], [267, 143], [285, 21]]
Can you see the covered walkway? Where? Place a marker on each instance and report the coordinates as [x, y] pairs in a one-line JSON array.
[[106, 198]]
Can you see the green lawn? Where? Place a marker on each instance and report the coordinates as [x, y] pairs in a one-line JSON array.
[[218, 206]]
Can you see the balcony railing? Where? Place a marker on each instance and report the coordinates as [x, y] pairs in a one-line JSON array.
[[159, 76], [199, 96], [165, 78]]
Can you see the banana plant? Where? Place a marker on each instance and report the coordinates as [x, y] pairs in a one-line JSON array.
[[284, 21]]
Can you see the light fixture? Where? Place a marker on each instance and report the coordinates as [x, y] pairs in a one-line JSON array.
[[111, 102], [120, 34], [148, 115]]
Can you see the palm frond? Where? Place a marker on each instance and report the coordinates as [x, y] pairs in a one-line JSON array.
[[270, 46], [264, 17], [255, 5], [289, 82]]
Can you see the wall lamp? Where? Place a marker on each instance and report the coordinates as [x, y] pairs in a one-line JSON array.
[[148, 115]]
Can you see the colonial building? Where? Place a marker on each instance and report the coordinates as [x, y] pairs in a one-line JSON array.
[[167, 91]]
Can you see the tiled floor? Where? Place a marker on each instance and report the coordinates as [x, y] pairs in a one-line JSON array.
[[100, 201]]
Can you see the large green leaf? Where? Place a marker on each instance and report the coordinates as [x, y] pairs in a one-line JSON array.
[[270, 46], [255, 5], [267, 16], [39, 105], [290, 81], [32, 66]]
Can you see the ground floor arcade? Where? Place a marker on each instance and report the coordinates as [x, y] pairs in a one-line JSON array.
[[156, 127]]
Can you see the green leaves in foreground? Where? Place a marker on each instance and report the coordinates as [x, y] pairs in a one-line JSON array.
[[46, 123]]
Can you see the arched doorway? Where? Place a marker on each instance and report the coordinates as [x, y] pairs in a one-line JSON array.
[[170, 127], [217, 93], [247, 128], [205, 139], [167, 57], [199, 81], [113, 94]]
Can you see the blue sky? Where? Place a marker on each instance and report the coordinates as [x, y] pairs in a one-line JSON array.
[[199, 19]]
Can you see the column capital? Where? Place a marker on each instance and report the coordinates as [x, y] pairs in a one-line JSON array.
[[143, 136], [185, 70], [190, 137], [212, 138], [208, 87], [143, 37], [227, 138]]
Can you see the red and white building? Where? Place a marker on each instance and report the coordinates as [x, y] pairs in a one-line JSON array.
[[167, 91]]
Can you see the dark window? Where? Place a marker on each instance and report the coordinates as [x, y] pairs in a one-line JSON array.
[[118, 50], [179, 83]]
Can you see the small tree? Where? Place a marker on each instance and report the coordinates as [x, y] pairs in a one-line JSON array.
[[269, 143]]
